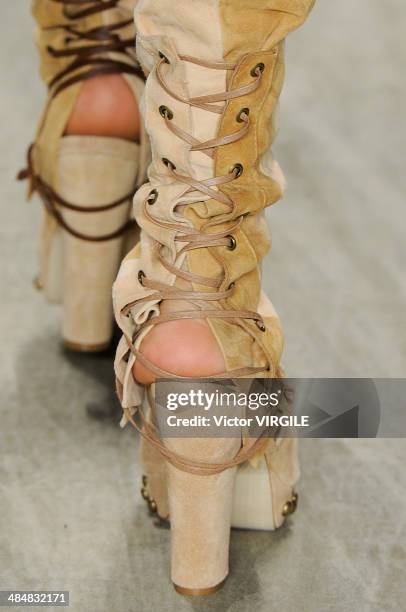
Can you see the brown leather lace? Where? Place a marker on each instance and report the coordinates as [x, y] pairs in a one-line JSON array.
[[107, 39], [196, 239], [52, 201], [88, 60], [193, 238], [187, 464]]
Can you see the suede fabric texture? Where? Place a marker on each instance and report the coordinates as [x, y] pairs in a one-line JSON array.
[[89, 268], [154, 467], [200, 510], [49, 15], [284, 472], [247, 34], [210, 30], [260, 491]]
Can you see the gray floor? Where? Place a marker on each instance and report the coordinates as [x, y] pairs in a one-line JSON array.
[[70, 515]]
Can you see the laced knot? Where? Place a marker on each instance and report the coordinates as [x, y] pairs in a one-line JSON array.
[[205, 302], [92, 57]]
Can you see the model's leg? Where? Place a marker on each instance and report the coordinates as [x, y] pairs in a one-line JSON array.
[[89, 155], [215, 74], [191, 347]]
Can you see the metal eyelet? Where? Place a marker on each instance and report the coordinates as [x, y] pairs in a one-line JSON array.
[[167, 162], [260, 325], [258, 69], [233, 243], [243, 111], [237, 170], [141, 276], [152, 197], [165, 112], [163, 56]]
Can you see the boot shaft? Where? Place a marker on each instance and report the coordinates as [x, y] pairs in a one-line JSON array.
[[232, 52]]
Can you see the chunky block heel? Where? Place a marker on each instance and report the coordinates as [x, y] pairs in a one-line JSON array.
[[264, 491], [94, 173], [209, 107], [200, 510], [86, 183]]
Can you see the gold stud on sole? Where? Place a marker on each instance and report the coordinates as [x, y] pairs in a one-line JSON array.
[[152, 505], [291, 505], [37, 283]]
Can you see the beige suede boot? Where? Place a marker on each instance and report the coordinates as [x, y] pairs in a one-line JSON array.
[[86, 183], [216, 70], [263, 494]]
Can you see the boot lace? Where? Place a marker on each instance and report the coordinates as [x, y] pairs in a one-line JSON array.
[[88, 60], [193, 238]]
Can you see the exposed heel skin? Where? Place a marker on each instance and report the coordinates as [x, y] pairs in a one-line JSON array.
[[86, 183], [93, 171], [264, 492], [209, 107]]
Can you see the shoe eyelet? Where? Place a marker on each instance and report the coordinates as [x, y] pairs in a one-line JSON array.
[[152, 197], [260, 325], [237, 170], [258, 69], [243, 111], [163, 56], [167, 162], [165, 112], [233, 243], [141, 276]]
